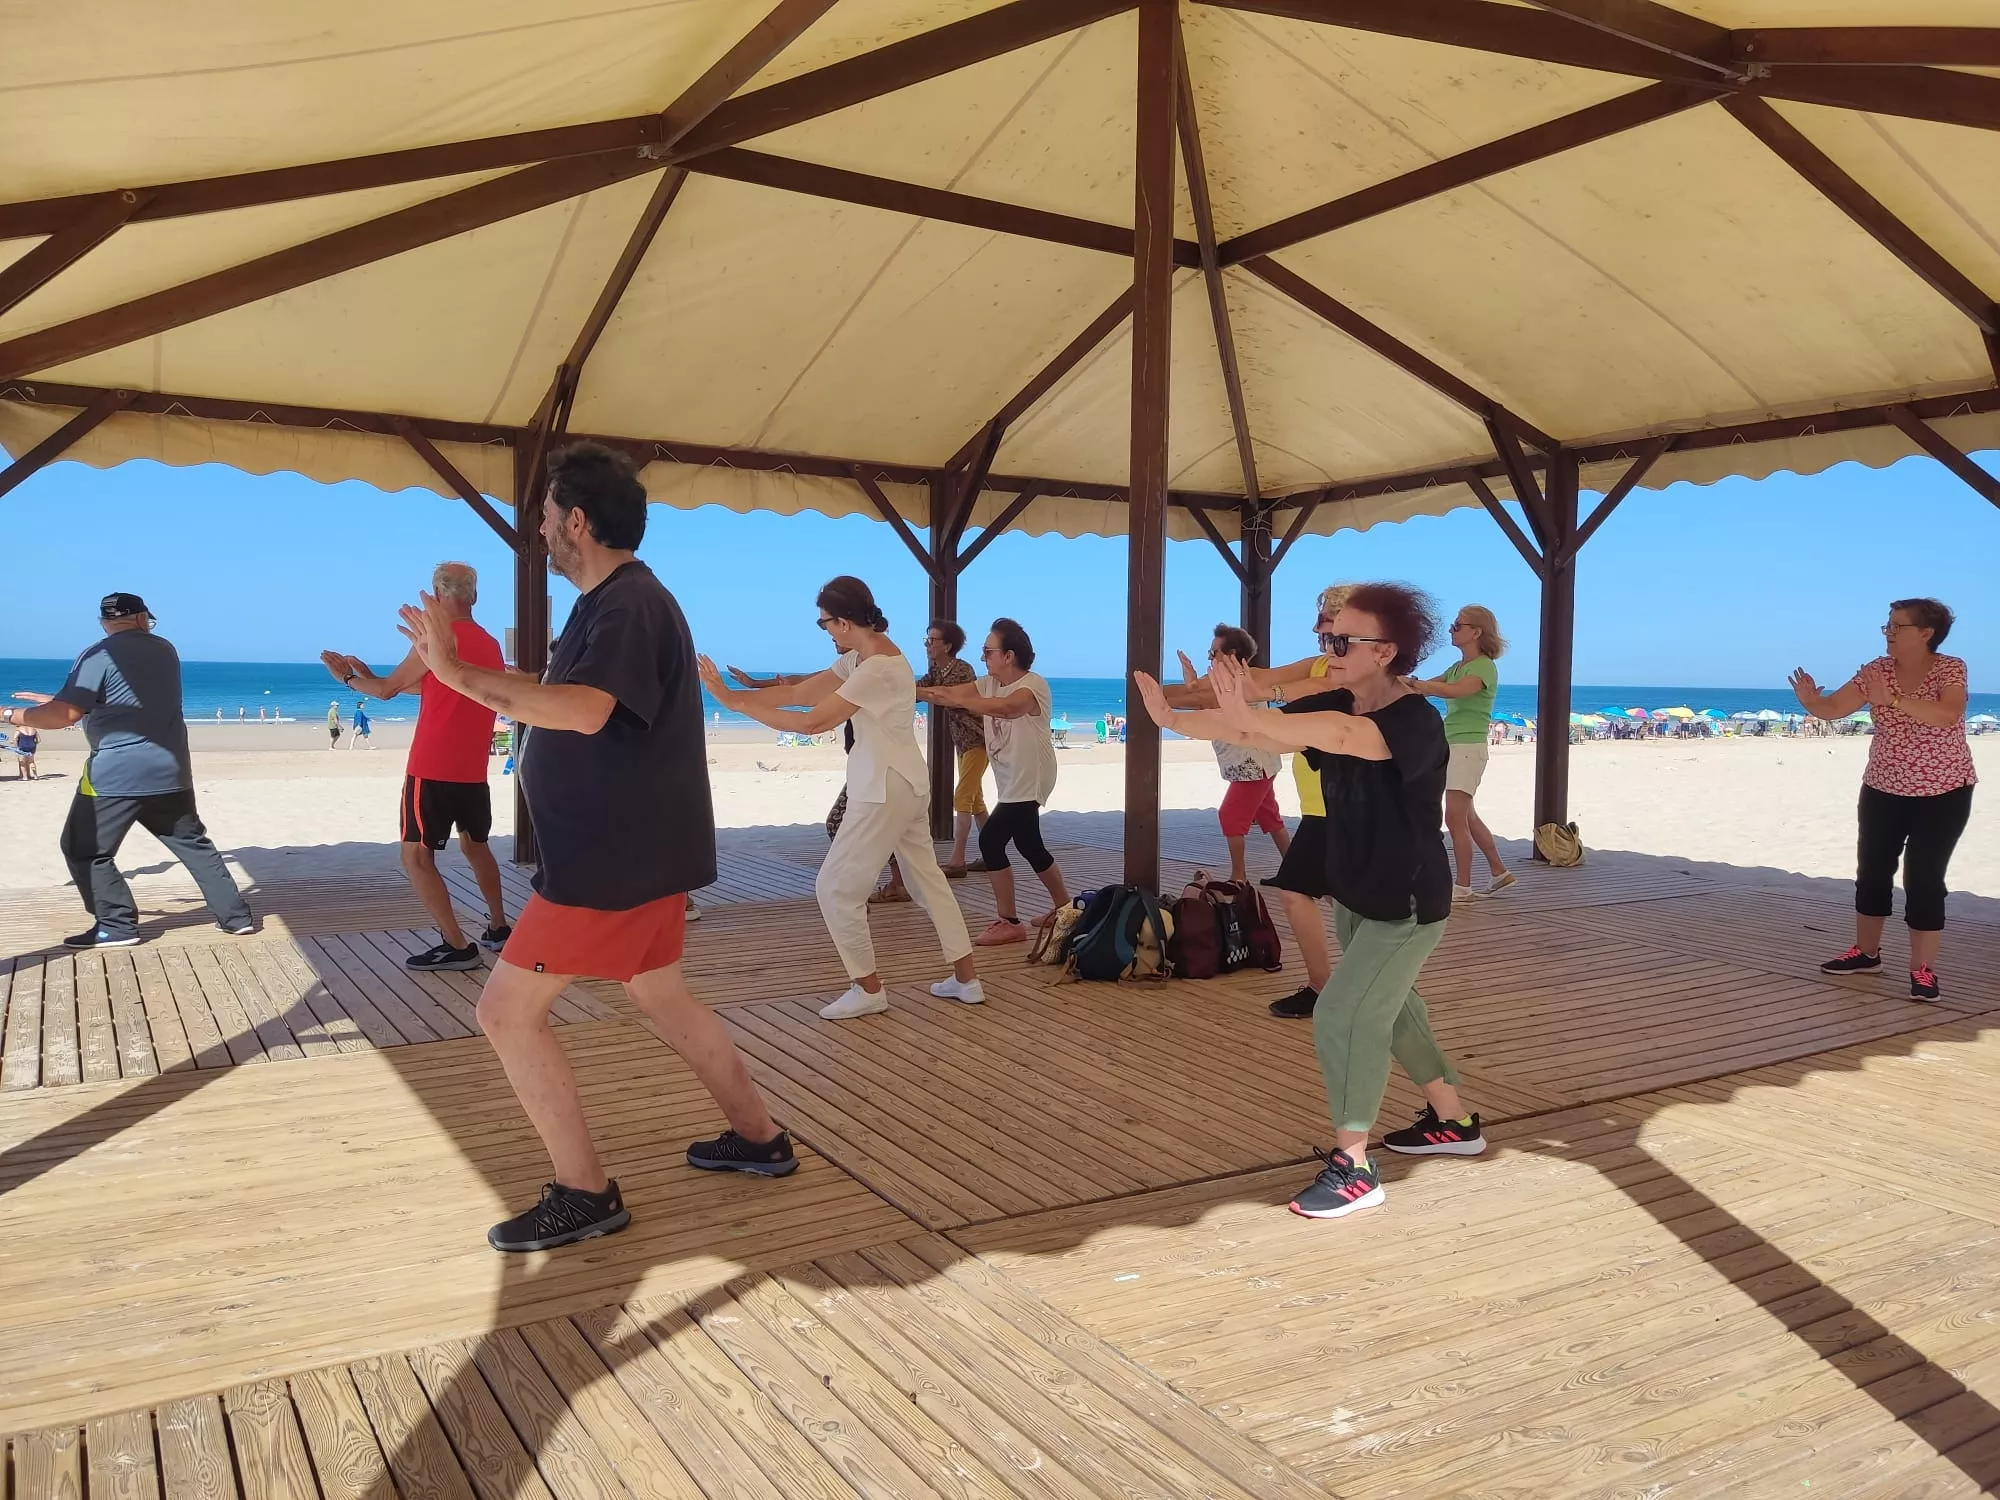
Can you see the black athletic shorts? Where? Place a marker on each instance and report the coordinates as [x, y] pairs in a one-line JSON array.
[[430, 808], [1303, 868]]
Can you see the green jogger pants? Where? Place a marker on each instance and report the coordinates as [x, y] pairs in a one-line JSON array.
[[1370, 1011]]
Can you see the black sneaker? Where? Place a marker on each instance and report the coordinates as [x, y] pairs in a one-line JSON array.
[[1341, 1189], [1853, 961], [241, 927], [1431, 1136], [444, 956], [729, 1152], [1298, 1005], [564, 1216], [1924, 983], [493, 939], [97, 937]]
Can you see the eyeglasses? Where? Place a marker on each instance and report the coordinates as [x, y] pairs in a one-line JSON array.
[[1463, 625], [826, 623], [1335, 644], [989, 651], [1895, 625]]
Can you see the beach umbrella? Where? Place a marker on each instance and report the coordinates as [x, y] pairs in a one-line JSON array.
[[1746, 715], [1713, 713], [1514, 719], [1983, 719], [1769, 715], [1634, 713], [1677, 713]]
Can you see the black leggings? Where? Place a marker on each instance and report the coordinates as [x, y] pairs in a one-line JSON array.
[[1921, 832], [1022, 823]]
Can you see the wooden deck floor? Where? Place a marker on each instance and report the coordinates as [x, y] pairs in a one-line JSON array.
[[1037, 1248]]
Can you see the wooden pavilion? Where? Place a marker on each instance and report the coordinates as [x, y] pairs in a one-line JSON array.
[[1243, 270]]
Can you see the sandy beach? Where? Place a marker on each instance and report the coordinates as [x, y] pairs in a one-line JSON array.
[[1773, 803]]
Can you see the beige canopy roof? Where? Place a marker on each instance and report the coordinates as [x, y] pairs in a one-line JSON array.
[[1626, 225]]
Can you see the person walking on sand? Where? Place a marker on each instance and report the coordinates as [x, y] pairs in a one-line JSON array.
[[362, 727], [614, 766], [1014, 702], [1469, 684], [1251, 797], [126, 692], [1916, 794], [872, 687], [1301, 878], [444, 779], [1381, 755], [26, 744], [333, 726]]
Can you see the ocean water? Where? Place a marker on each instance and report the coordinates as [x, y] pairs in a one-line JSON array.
[[302, 690]]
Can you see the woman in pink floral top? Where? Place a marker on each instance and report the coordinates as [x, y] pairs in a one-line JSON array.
[[1917, 793]]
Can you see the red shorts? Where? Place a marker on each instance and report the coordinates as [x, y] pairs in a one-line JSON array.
[[552, 939], [1251, 802]]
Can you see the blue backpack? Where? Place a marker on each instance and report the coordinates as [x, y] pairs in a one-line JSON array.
[[1106, 940]]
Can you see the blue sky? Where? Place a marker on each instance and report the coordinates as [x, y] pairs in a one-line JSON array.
[[1725, 586]]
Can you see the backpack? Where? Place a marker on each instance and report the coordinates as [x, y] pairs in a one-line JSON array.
[[1052, 942], [1121, 934]]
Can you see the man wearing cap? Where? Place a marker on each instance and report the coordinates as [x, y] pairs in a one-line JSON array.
[[126, 691]]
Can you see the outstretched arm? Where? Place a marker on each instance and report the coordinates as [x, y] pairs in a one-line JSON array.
[[46, 713], [767, 705], [1838, 704], [968, 697], [542, 705], [1437, 687], [354, 673]]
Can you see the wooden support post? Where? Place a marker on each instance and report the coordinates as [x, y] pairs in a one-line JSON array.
[[1152, 319], [944, 606], [531, 612], [1558, 643], [1257, 565]]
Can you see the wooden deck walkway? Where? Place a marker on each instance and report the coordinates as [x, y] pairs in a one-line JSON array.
[[1036, 1248]]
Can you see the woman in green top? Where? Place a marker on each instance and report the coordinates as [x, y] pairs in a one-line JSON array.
[[1468, 685]]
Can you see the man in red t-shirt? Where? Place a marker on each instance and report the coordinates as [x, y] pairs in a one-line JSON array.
[[444, 784]]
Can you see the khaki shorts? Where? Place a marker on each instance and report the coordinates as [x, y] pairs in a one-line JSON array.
[[969, 796], [1467, 766]]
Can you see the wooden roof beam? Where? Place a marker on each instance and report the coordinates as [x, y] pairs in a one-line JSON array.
[[1834, 184], [1196, 171], [49, 449], [1871, 46], [992, 530], [667, 135], [464, 488], [1649, 24], [1537, 143], [1475, 482], [93, 224], [1933, 442], [1393, 349]]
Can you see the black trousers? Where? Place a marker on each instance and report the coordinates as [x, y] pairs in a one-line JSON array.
[[1918, 832], [98, 825], [1020, 823]]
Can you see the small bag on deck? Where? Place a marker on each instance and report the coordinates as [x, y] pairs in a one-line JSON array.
[[1052, 942], [1222, 926], [1121, 934], [1559, 844]]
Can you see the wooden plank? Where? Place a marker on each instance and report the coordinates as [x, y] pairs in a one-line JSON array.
[[496, 1463], [120, 1450], [419, 1456], [95, 1032], [49, 1465], [569, 1458], [333, 998], [371, 967], [640, 1455], [197, 1020], [271, 1458], [386, 956], [263, 1010], [194, 1451], [136, 1058], [355, 986], [62, 1059], [240, 1037], [322, 1028], [345, 1455], [21, 1049]]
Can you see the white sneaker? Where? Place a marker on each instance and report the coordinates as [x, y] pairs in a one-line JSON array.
[[856, 1002], [1498, 883], [964, 991], [1464, 893], [693, 913]]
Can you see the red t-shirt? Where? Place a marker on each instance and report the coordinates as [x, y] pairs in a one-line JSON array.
[[454, 734]]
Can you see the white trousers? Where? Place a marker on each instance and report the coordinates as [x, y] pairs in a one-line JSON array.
[[869, 834]]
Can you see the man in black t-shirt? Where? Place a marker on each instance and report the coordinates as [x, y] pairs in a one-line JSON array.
[[614, 766]]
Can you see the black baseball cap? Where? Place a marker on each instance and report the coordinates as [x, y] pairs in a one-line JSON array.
[[122, 607]]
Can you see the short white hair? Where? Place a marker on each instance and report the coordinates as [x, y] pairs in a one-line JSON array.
[[455, 580]]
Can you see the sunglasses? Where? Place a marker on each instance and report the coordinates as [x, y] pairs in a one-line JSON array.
[[1335, 644], [826, 622]]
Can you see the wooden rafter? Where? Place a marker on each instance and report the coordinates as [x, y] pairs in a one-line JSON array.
[[788, 175], [52, 447], [1872, 46], [748, 56], [95, 223], [464, 488], [1391, 348], [1833, 183], [1195, 169], [1615, 496], [1537, 143], [895, 519], [852, 81], [1529, 553], [1296, 530], [1214, 534], [1527, 486], [1648, 24], [967, 482], [992, 530], [1933, 442]]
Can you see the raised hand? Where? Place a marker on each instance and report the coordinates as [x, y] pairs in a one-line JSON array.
[[1189, 676], [1232, 681], [744, 679], [1804, 688], [428, 628], [34, 698], [342, 667], [711, 677], [1155, 699]]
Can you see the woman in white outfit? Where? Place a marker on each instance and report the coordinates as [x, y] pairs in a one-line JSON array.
[[872, 687]]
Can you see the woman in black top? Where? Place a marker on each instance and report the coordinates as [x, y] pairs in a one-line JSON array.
[[1381, 756]]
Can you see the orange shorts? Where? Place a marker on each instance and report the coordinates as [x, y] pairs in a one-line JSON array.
[[552, 939]]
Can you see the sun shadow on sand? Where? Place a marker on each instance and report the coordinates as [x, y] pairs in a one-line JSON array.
[[354, 1227]]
